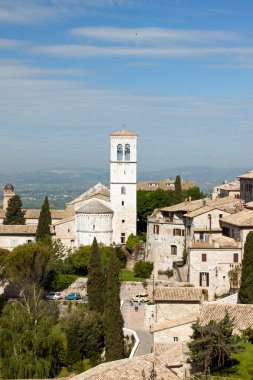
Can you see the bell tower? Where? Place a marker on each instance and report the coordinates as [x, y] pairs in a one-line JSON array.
[[123, 176], [8, 194]]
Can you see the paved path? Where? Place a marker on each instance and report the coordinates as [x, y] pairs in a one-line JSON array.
[[134, 320]]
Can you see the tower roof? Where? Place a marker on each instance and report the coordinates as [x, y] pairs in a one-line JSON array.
[[9, 186], [123, 132]]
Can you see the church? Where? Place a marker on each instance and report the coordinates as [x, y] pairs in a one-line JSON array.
[[107, 214]]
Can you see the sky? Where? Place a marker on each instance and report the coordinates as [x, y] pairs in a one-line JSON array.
[[177, 72]]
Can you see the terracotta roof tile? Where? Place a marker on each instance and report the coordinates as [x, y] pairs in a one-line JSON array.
[[242, 218], [178, 294]]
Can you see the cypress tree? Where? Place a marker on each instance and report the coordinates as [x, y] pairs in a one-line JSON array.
[[45, 220], [245, 292], [178, 190], [14, 214], [95, 283], [113, 321]]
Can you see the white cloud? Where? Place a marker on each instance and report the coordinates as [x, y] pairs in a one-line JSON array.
[[10, 44], [151, 36]]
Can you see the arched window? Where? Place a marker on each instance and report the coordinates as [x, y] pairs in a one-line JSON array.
[[123, 190], [173, 249], [127, 152], [119, 152]]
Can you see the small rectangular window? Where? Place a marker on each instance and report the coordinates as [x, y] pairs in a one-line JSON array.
[[123, 220], [94, 227], [175, 338], [123, 238], [204, 279], [204, 257], [122, 203], [156, 229], [236, 257], [178, 232]]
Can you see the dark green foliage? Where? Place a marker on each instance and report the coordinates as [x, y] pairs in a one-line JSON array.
[[96, 281], [14, 214], [121, 257], [62, 281], [28, 264], [45, 220], [245, 292], [28, 349], [113, 322], [193, 193], [85, 337], [178, 190], [143, 269], [212, 345]]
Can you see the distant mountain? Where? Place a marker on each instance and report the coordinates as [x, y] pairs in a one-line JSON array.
[[75, 181]]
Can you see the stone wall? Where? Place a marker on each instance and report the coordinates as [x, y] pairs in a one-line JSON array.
[[170, 311]]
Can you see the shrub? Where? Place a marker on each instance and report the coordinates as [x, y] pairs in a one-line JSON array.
[[133, 240], [63, 281], [143, 269]]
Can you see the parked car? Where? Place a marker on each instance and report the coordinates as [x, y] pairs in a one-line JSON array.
[[73, 296], [53, 296], [140, 298]]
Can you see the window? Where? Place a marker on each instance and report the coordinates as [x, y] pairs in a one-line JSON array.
[[94, 227], [178, 232], [204, 257], [220, 216], [68, 230], [156, 229], [29, 241], [123, 237], [236, 258], [123, 190], [175, 338], [204, 279], [122, 203], [127, 152], [173, 249], [119, 152], [123, 220]]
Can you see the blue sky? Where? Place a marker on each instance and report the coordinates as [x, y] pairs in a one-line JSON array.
[[178, 72]]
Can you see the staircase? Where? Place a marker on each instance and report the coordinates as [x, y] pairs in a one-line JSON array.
[[133, 319]]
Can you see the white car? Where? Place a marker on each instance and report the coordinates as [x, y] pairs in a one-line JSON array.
[[140, 298], [53, 296]]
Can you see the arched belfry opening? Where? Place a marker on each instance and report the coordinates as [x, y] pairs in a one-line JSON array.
[[119, 152], [127, 152]]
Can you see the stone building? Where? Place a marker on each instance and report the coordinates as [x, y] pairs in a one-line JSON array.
[[227, 189], [109, 214], [246, 186]]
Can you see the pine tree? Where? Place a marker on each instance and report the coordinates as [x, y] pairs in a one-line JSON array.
[[245, 292], [178, 190], [45, 220], [113, 322], [14, 214], [95, 283]]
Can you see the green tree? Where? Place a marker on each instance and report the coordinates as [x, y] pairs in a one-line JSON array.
[[178, 190], [245, 292], [213, 344], [45, 220], [28, 264], [14, 214], [143, 269], [85, 337], [113, 322], [28, 348], [96, 280]]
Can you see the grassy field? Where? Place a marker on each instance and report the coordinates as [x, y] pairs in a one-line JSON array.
[[244, 368], [127, 275]]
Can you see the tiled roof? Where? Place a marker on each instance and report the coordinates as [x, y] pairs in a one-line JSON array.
[[231, 186], [131, 369], [26, 229], [164, 325], [98, 189], [248, 175], [243, 314], [94, 207], [242, 218], [249, 205], [217, 242], [123, 132], [178, 294]]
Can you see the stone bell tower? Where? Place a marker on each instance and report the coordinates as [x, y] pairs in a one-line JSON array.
[[123, 177], [7, 194]]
